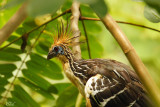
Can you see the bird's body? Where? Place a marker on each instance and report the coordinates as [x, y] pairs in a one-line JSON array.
[[106, 83]]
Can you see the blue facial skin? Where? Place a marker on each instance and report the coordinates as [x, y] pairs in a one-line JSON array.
[[59, 50]]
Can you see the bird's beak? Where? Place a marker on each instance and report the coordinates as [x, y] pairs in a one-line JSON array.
[[51, 54]]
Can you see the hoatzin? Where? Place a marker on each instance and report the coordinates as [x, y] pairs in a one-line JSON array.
[[104, 82]]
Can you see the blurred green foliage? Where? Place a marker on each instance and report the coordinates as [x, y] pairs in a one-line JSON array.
[[41, 82]]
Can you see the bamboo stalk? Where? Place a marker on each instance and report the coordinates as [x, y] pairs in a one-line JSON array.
[[133, 58], [13, 23]]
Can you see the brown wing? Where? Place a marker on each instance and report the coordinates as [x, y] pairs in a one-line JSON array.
[[110, 83]]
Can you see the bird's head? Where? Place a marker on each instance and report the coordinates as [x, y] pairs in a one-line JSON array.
[[62, 41], [56, 51]]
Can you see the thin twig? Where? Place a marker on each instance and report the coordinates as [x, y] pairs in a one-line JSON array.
[[122, 22], [4, 98], [67, 11], [85, 33]]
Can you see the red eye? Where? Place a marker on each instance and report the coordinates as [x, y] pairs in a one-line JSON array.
[[56, 49]]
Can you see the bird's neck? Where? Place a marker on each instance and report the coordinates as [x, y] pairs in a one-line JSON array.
[[68, 58]]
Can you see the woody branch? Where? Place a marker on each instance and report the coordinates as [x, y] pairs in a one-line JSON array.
[[13, 23]]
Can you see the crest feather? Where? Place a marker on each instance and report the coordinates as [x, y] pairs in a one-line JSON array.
[[63, 36]]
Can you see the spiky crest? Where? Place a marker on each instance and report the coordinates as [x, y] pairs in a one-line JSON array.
[[63, 36]]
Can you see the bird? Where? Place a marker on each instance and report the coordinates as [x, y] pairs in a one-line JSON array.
[[103, 82]]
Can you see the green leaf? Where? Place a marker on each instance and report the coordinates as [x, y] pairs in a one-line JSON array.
[[3, 81], [12, 3], [151, 14], [48, 68], [6, 70], [96, 48], [52, 89], [2, 89], [12, 50], [36, 79], [13, 37], [99, 7], [5, 56], [43, 47], [15, 102], [62, 86], [22, 95], [68, 97], [87, 12], [34, 87], [154, 4], [138, 0], [40, 7]]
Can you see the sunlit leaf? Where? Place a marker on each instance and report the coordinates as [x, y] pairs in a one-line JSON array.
[[12, 3], [40, 7]]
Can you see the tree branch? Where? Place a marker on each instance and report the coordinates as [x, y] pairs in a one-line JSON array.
[[132, 56], [76, 49], [13, 23], [74, 27], [122, 22]]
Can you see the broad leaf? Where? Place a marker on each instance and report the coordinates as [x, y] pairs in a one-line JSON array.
[[151, 14], [5, 56], [68, 97], [12, 50], [48, 68], [22, 95], [98, 6], [37, 89], [154, 4], [40, 7], [6, 70], [12, 3], [36, 79]]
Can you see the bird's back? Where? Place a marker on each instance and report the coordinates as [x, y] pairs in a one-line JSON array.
[[110, 83]]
